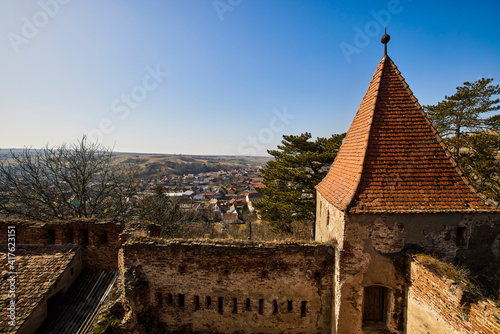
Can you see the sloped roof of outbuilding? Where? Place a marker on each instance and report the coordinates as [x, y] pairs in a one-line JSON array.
[[393, 161]]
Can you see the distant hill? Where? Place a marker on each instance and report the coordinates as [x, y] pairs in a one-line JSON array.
[[169, 164], [165, 164]]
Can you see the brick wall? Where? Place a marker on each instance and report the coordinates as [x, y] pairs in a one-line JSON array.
[[438, 304], [100, 240], [227, 288]]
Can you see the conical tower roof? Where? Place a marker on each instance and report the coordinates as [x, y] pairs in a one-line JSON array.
[[393, 161]]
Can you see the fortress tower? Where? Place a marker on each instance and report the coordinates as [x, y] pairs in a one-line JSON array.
[[392, 187]]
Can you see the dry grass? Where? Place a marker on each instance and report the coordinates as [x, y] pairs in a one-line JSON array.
[[461, 276]]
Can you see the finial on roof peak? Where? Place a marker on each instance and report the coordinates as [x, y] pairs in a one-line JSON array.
[[385, 39]]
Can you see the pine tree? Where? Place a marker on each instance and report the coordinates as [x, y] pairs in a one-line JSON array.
[[472, 137], [290, 179]]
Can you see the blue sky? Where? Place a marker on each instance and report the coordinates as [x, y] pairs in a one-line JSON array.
[[225, 76]]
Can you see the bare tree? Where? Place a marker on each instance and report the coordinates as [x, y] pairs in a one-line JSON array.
[[68, 181]]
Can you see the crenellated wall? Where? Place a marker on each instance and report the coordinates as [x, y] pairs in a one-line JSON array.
[[225, 288], [100, 240]]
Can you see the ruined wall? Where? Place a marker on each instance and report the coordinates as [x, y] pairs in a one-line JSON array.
[[373, 254], [438, 304], [100, 240], [226, 288]]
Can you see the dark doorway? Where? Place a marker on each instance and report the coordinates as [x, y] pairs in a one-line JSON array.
[[375, 304]]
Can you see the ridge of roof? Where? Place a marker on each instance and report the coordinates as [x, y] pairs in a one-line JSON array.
[[347, 168], [393, 160]]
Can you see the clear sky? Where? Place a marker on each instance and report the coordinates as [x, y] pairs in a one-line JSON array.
[[225, 76]]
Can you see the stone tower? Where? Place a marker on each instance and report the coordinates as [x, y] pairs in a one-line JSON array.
[[392, 187]]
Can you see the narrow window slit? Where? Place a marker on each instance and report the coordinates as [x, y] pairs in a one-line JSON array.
[[159, 298], [196, 303], [209, 302], [261, 306], [221, 305], [303, 309], [290, 306], [170, 299], [235, 305], [248, 305], [181, 300]]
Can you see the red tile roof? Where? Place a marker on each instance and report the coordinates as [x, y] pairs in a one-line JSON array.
[[392, 160], [38, 269]]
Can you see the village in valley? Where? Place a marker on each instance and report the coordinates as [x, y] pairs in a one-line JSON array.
[[221, 196], [215, 195]]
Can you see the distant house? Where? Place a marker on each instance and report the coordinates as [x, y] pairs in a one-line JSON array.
[[200, 197], [230, 217], [208, 194]]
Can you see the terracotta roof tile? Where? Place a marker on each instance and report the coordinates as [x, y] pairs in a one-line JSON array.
[[37, 269], [392, 159]]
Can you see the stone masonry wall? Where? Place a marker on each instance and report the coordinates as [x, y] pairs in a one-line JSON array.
[[227, 288], [437, 304], [100, 240], [329, 222]]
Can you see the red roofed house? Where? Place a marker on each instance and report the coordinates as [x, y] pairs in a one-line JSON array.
[[392, 187]]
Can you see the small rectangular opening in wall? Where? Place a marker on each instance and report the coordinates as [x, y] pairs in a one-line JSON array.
[[303, 308], [170, 299], [235, 305], [209, 302], [196, 303], [102, 239], [220, 304], [375, 305], [290, 306], [70, 236], [461, 238], [84, 237], [51, 236], [275, 307], [261, 306], [181, 300], [248, 305], [158, 297]]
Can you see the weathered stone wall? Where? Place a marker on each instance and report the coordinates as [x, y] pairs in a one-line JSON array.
[[373, 254], [100, 240], [329, 222], [438, 304], [227, 288]]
